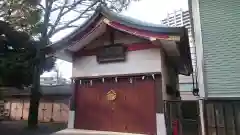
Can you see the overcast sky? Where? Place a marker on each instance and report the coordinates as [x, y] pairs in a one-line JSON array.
[[152, 11]]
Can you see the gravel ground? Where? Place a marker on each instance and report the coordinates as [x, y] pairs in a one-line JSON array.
[[20, 128]]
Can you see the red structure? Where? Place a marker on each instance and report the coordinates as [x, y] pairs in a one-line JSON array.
[[175, 127], [123, 70], [133, 110]]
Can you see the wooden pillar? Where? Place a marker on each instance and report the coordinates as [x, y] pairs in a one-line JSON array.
[[22, 109], [72, 109], [159, 103], [159, 96], [43, 111], [51, 119], [10, 109]]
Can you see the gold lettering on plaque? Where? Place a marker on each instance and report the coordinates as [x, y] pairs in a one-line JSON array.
[[111, 95]]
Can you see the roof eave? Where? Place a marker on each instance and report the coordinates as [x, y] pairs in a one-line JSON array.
[[104, 11], [139, 24], [68, 39], [184, 48]]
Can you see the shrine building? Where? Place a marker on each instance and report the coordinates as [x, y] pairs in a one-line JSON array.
[[123, 72]]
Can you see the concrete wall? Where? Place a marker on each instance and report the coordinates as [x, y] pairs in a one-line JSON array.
[[169, 77], [142, 61]]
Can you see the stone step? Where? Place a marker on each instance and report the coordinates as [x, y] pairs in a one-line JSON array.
[[89, 132]]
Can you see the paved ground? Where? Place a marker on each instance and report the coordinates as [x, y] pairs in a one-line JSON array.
[[88, 132], [19, 128]]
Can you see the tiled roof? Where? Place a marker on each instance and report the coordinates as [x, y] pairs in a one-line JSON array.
[[45, 90]]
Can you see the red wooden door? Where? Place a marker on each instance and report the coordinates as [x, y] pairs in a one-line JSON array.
[[92, 112], [132, 111], [145, 118], [135, 107]]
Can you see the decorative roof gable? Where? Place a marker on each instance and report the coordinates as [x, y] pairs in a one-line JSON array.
[[103, 18]]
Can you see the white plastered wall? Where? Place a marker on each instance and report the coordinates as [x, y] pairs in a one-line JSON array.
[[142, 61]]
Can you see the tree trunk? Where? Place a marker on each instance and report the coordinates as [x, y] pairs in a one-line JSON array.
[[35, 94], [33, 110], [40, 58]]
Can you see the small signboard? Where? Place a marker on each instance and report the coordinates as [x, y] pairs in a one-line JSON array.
[[111, 53]]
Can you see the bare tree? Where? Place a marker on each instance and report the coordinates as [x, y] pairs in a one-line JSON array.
[[67, 14], [59, 15]]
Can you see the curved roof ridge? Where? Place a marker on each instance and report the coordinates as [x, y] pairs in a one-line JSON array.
[[108, 12], [139, 24], [102, 12], [123, 19]]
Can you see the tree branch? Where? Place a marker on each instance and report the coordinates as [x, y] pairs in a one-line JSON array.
[[63, 28], [42, 7], [72, 6], [44, 36], [60, 14], [59, 7], [75, 19]]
